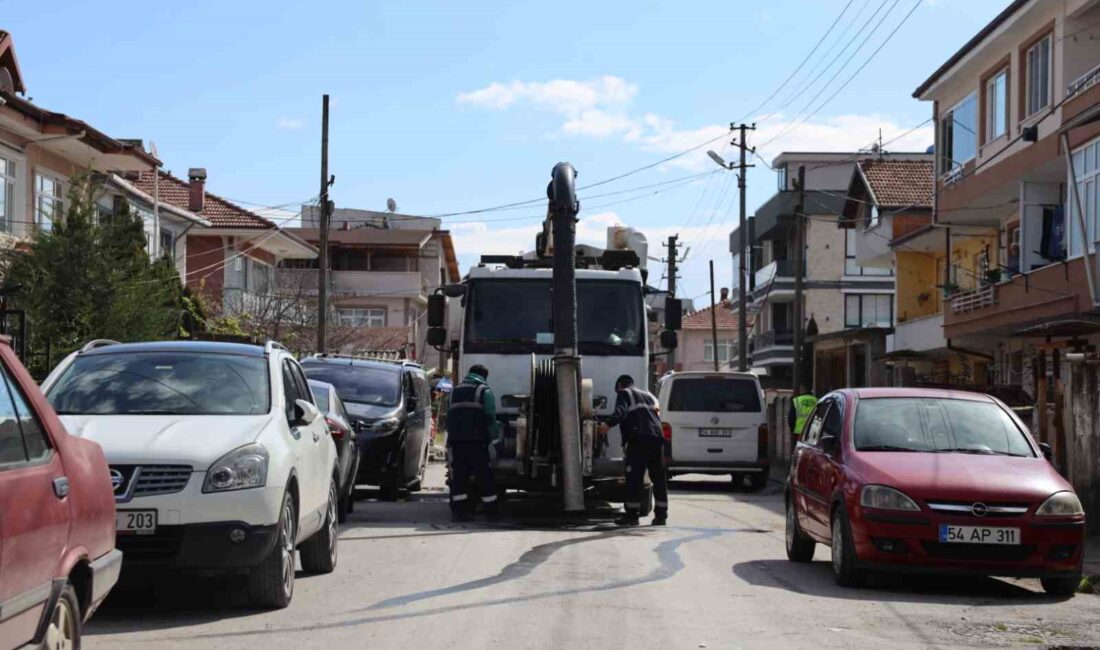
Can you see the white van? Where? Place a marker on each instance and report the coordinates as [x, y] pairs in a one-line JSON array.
[[716, 424]]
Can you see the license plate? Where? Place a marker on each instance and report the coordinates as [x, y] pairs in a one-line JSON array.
[[979, 535], [136, 522], [715, 433]]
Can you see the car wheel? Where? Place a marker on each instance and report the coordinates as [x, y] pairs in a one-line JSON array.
[[758, 481], [392, 479], [845, 571], [319, 552], [799, 547], [63, 632], [1061, 586], [271, 583], [737, 481]]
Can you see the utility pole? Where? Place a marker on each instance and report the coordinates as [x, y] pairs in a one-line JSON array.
[[672, 261], [799, 263], [742, 308], [322, 273], [713, 319]]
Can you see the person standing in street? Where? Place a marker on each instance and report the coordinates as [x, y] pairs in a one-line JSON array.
[[637, 416], [472, 428], [802, 406]]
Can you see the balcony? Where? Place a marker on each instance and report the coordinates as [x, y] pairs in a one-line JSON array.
[[779, 273], [773, 348], [1084, 82], [379, 283], [919, 334], [966, 301]]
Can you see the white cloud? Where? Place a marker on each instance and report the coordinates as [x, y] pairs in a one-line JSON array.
[[290, 124], [839, 133], [565, 96]]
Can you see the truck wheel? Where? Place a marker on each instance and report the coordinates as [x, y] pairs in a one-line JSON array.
[[64, 628], [319, 551], [271, 582], [646, 508]]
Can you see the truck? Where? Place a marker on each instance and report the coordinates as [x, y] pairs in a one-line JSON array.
[[507, 316]]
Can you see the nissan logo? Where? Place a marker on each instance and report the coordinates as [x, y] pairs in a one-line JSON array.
[[116, 479], [979, 509]]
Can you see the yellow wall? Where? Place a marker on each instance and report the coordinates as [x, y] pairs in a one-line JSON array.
[[917, 279], [965, 252]]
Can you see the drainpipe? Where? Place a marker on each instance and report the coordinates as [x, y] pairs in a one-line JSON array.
[[563, 209], [1080, 218]]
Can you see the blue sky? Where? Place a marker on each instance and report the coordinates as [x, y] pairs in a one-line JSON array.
[[449, 106]]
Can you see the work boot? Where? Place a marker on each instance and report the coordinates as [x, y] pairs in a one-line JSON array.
[[660, 519], [492, 511], [627, 519]]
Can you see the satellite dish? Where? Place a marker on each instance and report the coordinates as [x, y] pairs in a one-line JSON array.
[[391, 205]]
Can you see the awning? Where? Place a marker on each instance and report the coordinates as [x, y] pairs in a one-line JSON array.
[[1084, 118], [1078, 325]]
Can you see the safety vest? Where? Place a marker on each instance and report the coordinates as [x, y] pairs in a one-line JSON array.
[[467, 420], [803, 407]]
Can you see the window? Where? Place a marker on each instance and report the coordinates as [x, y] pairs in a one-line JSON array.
[[359, 384], [868, 310], [872, 216], [290, 391], [717, 394], [34, 437], [168, 244], [851, 267], [725, 348], [12, 449], [937, 425], [1086, 167], [1038, 75], [782, 176], [959, 134], [49, 201], [371, 317], [258, 277], [996, 106], [7, 194]]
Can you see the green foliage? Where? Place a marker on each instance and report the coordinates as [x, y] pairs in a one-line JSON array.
[[90, 278]]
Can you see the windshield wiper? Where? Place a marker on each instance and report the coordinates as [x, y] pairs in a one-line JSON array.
[[980, 452], [887, 448]]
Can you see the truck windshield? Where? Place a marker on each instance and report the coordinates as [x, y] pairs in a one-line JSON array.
[[514, 316]]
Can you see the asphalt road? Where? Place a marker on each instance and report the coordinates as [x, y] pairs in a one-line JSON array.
[[716, 577]]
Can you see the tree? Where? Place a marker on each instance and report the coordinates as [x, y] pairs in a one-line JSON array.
[[91, 277]]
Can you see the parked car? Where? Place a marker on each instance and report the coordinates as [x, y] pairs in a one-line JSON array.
[[715, 424], [58, 559], [930, 481], [219, 458], [343, 434], [389, 404]]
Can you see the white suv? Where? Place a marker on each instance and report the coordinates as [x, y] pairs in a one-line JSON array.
[[219, 459]]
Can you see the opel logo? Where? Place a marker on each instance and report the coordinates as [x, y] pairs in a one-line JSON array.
[[979, 509], [714, 420], [116, 479]]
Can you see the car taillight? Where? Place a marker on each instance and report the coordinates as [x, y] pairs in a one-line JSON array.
[[335, 429], [666, 430], [762, 443]]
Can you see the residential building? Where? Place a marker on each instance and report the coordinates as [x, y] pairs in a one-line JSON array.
[[384, 266], [230, 259], [697, 348], [848, 308], [1013, 107]]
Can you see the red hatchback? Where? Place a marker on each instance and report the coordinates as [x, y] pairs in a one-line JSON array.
[[57, 519], [934, 481]]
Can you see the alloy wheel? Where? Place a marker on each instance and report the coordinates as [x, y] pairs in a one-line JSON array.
[[788, 534], [61, 632], [286, 543], [333, 523], [837, 546]]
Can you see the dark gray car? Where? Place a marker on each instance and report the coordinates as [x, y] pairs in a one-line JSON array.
[[346, 439]]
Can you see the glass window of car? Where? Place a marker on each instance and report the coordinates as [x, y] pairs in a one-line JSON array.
[[34, 436], [322, 396], [12, 447], [304, 391], [937, 425], [817, 420], [716, 394], [359, 384], [290, 391], [163, 383], [832, 423]]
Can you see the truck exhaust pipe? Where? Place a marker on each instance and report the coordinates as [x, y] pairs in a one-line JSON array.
[[562, 213]]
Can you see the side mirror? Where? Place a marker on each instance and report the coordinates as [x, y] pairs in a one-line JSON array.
[[437, 310], [669, 341], [674, 314], [437, 337], [454, 290], [1048, 451], [304, 413]]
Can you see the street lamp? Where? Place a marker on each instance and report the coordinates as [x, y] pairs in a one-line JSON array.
[[718, 159]]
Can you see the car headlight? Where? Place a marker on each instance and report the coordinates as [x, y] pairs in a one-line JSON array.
[[244, 467], [886, 498], [385, 426], [1061, 504]]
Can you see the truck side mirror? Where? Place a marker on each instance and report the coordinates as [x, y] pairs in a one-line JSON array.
[[437, 310], [454, 290], [669, 340], [437, 337], [674, 313]]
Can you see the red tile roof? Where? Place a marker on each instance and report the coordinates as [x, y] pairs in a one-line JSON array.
[[700, 320], [220, 212], [899, 183]]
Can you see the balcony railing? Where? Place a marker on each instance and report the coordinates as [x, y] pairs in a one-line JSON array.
[[1084, 82], [974, 299], [771, 339], [778, 268]]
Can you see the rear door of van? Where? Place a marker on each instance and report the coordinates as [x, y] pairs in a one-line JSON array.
[[714, 418]]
